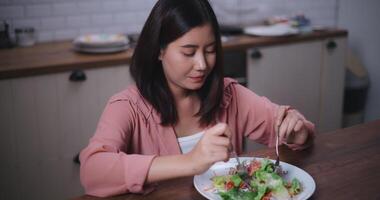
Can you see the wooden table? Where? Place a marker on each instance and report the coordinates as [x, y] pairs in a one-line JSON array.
[[345, 164]]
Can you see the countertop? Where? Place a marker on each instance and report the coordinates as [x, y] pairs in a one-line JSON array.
[[56, 57]]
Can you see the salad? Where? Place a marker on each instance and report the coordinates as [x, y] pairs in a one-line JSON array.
[[258, 181]]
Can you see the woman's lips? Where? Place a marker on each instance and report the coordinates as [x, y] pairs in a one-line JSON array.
[[197, 78]]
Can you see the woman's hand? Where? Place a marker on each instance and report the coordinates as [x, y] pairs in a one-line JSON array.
[[291, 126], [213, 147]]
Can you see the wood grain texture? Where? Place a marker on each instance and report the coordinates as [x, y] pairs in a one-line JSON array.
[[56, 57], [345, 164]]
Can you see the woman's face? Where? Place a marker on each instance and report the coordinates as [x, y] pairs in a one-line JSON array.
[[188, 60]]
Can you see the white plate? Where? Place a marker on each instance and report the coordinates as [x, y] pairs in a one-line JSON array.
[[100, 50], [203, 182], [271, 31], [101, 40]]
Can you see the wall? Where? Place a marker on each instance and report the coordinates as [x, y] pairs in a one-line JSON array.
[[66, 19], [361, 20], [247, 12]]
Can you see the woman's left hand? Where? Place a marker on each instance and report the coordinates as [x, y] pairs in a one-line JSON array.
[[291, 126]]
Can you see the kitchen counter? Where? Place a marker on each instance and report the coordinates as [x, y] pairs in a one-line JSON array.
[[59, 56]]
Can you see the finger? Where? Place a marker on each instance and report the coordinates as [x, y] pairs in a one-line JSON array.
[[291, 125], [221, 156], [218, 129], [298, 125], [228, 132], [282, 129], [280, 115], [221, 141], [217, 149], [296, 147]]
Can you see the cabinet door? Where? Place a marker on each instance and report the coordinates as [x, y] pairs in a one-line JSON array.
[[81, 103], [288, 75], [30, 136], [44, 122], [332, 83], [8, 150]]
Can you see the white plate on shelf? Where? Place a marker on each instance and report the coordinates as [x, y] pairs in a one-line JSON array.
[[100, 50], [203, 182], [101, 40], [271, 31]]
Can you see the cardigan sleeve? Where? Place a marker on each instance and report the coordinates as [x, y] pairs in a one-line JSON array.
[[257, 116], [106, 169]]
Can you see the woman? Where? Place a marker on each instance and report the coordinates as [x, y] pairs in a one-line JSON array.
[[182, 116]]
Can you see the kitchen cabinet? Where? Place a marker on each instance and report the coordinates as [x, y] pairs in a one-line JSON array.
[[332, 84], [45, 121], [309, 76]]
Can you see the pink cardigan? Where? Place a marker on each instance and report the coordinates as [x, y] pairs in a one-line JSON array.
[[129, 136]]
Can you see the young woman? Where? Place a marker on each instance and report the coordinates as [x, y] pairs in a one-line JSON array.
[[182, 116]]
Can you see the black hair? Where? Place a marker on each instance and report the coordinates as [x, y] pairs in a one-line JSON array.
[[168, 21]]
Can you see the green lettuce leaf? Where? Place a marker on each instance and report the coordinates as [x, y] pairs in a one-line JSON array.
[[296, 187], [219, 182], [236, 180], [235, 194]]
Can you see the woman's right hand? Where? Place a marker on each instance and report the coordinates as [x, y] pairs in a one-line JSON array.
[[213, 147]]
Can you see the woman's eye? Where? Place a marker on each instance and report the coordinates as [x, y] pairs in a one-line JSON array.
[[188, 54], [211, 50]]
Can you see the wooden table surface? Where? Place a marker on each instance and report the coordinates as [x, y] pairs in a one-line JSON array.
[[345, 164]]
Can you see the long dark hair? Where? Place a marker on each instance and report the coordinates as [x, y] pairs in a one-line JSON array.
[[168, 21]]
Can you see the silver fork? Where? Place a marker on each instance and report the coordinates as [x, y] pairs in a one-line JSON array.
[[241, 170], [277, 167], [239, 166]]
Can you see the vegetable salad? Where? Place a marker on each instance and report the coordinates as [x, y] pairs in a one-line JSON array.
[[259, 181]]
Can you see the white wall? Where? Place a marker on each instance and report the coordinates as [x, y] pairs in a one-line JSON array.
[[246, 12], [361, 18], [66, 19]]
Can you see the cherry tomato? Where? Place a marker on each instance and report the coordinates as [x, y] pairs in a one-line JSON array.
[[254, 166], [229, 185], [267, 196], [242, 185]]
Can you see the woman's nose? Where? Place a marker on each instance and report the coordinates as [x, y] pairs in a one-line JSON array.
[[200, 63]]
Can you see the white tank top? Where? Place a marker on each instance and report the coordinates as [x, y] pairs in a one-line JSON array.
[[187, 143]]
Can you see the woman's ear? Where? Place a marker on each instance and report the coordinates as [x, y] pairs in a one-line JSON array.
[[162, 52]]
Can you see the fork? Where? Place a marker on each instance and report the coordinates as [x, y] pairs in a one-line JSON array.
[[239, 166], [241, 170], [277, 167]]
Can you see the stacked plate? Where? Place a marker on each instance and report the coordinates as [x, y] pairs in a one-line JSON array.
[[101, 43], [272, 30]]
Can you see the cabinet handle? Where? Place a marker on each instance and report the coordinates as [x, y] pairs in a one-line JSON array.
[[256, 54], [331, 45], [77, 76]]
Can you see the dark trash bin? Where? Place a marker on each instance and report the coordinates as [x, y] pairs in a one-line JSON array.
[[355, 97]]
